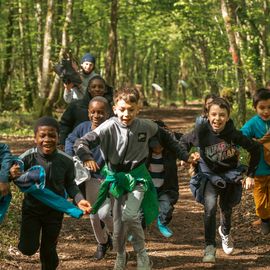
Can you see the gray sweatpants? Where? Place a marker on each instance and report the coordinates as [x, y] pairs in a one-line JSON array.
[[126, 220], [104, 213]]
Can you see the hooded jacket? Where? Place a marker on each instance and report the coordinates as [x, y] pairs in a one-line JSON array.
[[220, 150]]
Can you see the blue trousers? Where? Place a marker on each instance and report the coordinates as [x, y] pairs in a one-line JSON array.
[[166, 199]]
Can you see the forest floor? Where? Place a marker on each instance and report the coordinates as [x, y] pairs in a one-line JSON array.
[[183, 250]]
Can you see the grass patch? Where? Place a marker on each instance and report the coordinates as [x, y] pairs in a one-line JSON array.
[[16, 123]]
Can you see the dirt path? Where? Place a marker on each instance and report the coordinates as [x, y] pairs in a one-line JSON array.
[[183, 250]]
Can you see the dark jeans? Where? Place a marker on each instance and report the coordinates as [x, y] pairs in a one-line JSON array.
[[228, 198], [166, 200], [48, 222]]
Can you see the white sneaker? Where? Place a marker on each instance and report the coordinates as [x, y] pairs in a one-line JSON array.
[[227, 243], [143, 261], [209, 254], [121, 261]]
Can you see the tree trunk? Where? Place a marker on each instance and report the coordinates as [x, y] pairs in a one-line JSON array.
[[7, 67], [39, 42], [206, 56], [54, 93], [111, 55], [184, 77], [265, 49], [47, 47], [27, 96], [230, 23]]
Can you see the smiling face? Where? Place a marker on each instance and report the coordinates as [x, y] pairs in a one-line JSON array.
[[87, 67], [97, 113], [96, 87], [46, 139], [218, 117], [263, 109], [126, 111]]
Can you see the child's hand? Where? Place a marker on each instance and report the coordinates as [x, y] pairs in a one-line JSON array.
[[15, 171], [192, 169], [91, 165], [68, 86], [4, 188], [194, 158], [248, 183], [85, 206]]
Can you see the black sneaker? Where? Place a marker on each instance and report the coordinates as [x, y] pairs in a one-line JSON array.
[[102, 249], [265, 226]]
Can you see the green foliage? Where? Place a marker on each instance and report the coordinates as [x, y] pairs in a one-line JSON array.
[[154, 39], [16, 123]]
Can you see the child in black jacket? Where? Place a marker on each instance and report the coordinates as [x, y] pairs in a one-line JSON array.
[[38, 218], [162, 166]]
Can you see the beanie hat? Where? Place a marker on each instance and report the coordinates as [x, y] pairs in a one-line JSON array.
[[88, 58]]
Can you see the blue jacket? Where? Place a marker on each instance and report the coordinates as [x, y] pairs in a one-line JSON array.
[[77, 133], [5, 161], [257, 128]]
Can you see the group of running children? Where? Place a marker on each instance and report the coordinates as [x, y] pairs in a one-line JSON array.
[[131, 171]]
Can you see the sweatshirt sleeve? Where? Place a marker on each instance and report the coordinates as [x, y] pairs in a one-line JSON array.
[[66, 123], [72, 137], [169, 141], [70, 185], [84, 145], [252, 147], [189, 140], [6, 162]]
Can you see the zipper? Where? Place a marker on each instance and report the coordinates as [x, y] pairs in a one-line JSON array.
[[267, 128], [126, 146]]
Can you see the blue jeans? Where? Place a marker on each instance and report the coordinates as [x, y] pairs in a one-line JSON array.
[[227, 199], [167, 200]]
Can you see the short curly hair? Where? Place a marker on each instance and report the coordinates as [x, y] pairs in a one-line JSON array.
[[129, 94], [46, 121]]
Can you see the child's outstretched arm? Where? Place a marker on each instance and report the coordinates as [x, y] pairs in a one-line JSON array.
[[82, 147], [170, 142], [252, 147], [248, 183], [91, 165], [85, 206]]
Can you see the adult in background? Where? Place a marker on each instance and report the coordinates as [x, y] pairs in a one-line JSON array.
[[73, 92]]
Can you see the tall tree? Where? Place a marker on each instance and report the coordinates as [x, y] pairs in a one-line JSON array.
[[228, 14], [54, 93], [7, 66], [47, 47], [111, 55]]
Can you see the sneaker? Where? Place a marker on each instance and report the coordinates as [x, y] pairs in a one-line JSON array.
[[102, 249], [265, 226], [209, 254], [143, 261], [121, 261], [164, 230], [227, 243]]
